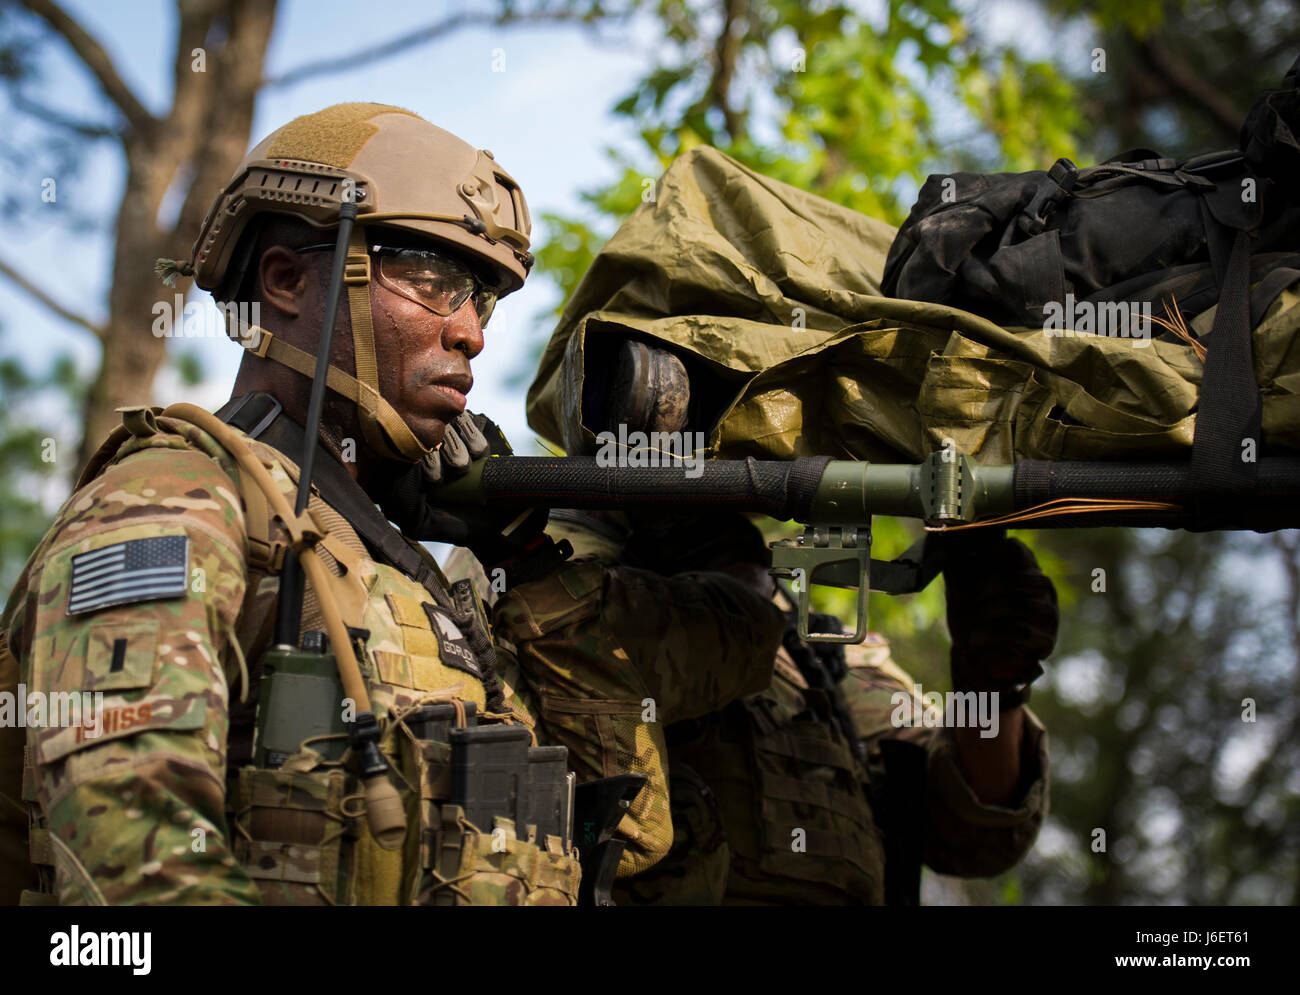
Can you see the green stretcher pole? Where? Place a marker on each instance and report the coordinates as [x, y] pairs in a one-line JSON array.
[[836, 499]]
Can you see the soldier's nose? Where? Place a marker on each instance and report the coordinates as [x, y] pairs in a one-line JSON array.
[[463, 332]]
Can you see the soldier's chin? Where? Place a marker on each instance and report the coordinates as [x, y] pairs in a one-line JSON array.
[[429, 430]]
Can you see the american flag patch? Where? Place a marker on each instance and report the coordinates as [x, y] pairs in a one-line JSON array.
[[127, 572]]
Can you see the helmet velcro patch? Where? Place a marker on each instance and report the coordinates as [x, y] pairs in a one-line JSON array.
[[333, 136]]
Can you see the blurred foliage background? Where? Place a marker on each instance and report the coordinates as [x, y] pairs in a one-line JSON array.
[[1172, 698]]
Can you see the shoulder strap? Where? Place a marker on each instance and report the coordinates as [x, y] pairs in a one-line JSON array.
[[304, 533], [259, 416], [268, 424], [103, 455]]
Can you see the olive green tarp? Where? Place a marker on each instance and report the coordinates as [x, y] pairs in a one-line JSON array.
[[772, 295]]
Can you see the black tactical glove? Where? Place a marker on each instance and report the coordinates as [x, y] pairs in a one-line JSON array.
[[512, 539], [466, 440], [1002, 614]]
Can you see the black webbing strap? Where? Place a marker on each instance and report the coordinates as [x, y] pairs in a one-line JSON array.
[[385, 543], [1269, 289], [1225, 450], [902, 817]]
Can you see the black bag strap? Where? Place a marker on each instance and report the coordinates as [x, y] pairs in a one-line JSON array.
[[1230, 409], [1225, 450], [1269, 289]]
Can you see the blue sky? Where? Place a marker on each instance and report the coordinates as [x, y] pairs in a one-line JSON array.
[[545, 117]]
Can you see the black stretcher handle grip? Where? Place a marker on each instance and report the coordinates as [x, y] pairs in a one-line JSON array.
[[783, 489], [1037, 481]]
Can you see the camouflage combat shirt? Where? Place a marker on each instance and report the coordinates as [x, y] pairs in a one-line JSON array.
[[152, 808]]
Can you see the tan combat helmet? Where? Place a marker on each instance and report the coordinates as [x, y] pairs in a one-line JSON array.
[[402, 172]]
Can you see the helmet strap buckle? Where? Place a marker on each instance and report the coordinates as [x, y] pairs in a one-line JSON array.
[[356, 268]]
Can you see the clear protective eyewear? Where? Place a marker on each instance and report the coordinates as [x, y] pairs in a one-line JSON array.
[[434, 280]]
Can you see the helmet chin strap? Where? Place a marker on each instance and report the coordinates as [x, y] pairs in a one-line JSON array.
[[384, 429]]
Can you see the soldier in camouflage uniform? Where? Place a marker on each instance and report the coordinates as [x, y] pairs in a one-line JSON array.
[[614, 654], [157, 582], [771, 800]]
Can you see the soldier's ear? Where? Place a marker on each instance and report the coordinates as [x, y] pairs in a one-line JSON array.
[[282, 280]]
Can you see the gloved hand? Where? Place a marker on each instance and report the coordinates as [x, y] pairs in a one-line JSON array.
[[497, 537], [1002, 614], [465, 441]]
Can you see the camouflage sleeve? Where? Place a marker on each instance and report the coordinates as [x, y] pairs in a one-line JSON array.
[[132, 789], [964, 836], [519, 697], [612, 654]]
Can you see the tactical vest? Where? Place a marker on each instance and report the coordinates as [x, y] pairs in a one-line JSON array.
[[766, 796], [296, 817], [769, 787]]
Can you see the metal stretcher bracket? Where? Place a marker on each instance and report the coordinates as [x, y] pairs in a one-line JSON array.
[[840, 556]]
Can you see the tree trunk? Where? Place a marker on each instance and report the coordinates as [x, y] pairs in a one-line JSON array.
[[204, 137]]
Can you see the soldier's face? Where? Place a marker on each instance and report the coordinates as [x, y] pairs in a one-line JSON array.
[[423, 357], [424, 360]]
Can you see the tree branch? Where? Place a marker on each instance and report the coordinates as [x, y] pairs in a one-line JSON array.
[[413, 39], [49, 301], [1289, 549], [227, 117], [95, 59], [92, 54], [727, 50], [86, 129], [391, 47], [1192, 85]]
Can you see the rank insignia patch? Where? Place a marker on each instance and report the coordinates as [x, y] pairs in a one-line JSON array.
[[127, 572], [455, 648]]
